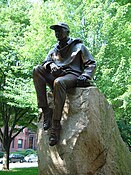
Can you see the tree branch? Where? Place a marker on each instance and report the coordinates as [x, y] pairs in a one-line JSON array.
[[22, 129], [16, 120]]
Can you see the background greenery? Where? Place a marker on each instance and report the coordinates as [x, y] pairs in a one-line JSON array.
[[25, 152], [25, 39]]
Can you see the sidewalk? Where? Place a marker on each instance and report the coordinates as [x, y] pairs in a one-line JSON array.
[[21, 165]]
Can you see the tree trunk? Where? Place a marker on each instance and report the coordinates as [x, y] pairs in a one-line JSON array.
[[6, 146], [6, 158], [6, 141]]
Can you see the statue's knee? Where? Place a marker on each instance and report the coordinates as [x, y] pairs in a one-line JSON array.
[[58, 82], [36, 69]]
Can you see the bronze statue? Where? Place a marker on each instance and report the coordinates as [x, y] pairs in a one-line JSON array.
[[69, 64]]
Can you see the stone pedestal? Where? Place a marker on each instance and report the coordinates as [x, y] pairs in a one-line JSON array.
[[90, 141]]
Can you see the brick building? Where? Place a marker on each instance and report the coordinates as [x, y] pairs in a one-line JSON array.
[[24, 140]]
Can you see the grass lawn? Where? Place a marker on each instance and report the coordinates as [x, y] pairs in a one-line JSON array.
[[21, 171]]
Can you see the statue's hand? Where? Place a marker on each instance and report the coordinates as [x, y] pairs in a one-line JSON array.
[[82, 78], [53, 66], [83, 81], [55, 70]]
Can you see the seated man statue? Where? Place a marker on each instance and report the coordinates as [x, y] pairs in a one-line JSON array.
[[69, 64]]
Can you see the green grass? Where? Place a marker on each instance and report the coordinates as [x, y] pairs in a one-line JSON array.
[[21, 171]]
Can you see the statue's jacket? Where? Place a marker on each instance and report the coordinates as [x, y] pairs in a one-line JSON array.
[[73, 58]]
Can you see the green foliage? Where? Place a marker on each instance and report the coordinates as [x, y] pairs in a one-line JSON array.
[[16, 85], [25, 152]]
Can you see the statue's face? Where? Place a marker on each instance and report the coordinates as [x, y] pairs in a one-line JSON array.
[[61, 33]]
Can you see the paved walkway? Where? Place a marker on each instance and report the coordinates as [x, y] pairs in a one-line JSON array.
[[22, 165]]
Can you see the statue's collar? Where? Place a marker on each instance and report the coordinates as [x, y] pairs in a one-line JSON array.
[[65, 43]]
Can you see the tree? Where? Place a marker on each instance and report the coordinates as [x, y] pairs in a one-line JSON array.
[[17, 96], [17, 102]]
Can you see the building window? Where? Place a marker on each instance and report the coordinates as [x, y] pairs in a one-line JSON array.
[[25, 145], [31, 142], [20, 143]]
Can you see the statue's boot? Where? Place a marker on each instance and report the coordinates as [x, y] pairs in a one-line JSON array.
[[55, 133], [47, 119]]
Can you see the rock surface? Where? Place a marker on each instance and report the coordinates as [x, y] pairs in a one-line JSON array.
[[90, 141]]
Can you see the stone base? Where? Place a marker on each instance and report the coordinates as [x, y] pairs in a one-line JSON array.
[[90, 141]]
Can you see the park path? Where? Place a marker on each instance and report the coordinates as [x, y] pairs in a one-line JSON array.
[[21, 165]]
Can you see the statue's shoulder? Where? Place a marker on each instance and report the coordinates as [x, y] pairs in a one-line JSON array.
[[75, 40]]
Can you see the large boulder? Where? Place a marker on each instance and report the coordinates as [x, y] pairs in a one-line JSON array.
[[90, 141]]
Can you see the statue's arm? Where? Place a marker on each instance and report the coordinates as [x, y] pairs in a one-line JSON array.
[[48, 60], [88, 62]]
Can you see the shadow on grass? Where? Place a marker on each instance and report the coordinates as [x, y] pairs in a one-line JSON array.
[[21, 171]]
